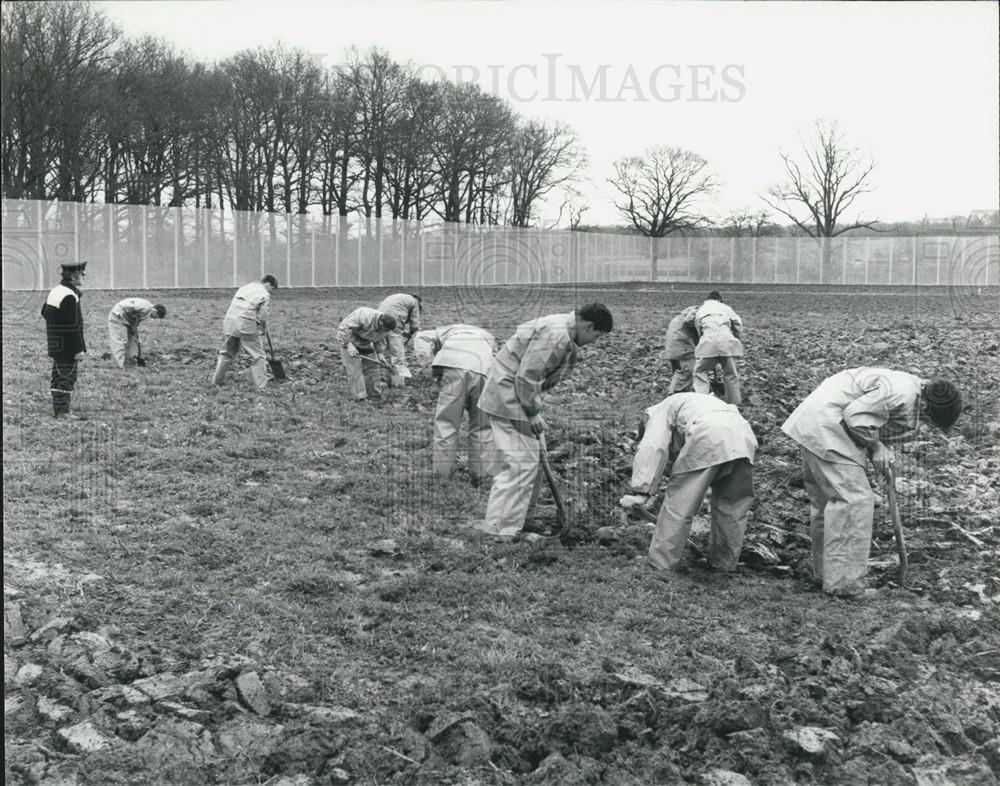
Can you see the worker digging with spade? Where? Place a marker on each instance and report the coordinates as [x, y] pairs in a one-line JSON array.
[[541, 353], [839, 427]]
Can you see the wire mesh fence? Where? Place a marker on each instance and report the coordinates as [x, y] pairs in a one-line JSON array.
[[145, 247]]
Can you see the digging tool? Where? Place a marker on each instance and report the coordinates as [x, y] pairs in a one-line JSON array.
[[564, 523], [897, 525], [277, 367], [717, 386]]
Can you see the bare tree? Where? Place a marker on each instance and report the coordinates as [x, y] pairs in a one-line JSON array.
[[660, 191], [56, 63], [542, 158], [744, 221], [817, 193]]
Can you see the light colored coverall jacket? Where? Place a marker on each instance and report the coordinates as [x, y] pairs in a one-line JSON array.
[[714, 447], [405, 309], [248, 313], [719, 328], [123, 328], [539, 354], [362, 329], [464, 355], [872, 404], [682, 336]]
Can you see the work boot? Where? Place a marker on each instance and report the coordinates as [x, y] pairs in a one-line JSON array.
[[221, 369]]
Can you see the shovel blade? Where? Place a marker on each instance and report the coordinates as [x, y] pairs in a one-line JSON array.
[[277, 370]]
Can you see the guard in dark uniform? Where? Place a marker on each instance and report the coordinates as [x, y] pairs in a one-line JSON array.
[[64, 331]]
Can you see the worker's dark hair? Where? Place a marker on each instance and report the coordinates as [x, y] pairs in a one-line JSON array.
[[387, 321], [270, 280], [714, 295], [420, 300], [598, 315], [944, 402], [161, 311]]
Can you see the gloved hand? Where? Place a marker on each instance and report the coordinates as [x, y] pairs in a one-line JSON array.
[[538, 425], [631, 500], [352, 351]]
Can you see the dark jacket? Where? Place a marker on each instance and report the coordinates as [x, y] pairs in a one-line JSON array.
[[64, 321]]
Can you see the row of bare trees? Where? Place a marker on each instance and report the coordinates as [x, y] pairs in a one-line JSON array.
[[667, 189], [89, 115]]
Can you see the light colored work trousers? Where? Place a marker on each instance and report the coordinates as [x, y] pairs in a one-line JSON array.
[[841, 511], [364, 377], [397, 349], [683, 376], [124, 343], [518, 476], [732, 496], [250, 344], [459, 393], [703, 369]]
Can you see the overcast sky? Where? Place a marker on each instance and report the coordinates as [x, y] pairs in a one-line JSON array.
[[916, 84]]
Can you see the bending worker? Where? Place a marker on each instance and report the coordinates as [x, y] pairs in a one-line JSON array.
[[711, 447], [461, 357], [406, 310], [244, 324], [682, 337], [839, 427], [123, 327], [719, 328], [539, 354], [361, 334]]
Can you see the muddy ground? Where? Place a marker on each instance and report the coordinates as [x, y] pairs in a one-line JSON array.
[[231, 587]]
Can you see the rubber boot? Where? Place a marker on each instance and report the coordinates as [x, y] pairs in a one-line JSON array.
[[258, 370], [221, 369]]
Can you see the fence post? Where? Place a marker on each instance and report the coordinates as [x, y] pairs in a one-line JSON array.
[[421, 258], [710, 279], [38, 233], [914, 281], [843, 264], [892, 249], [236, 234], [288, 249], [380, 244], [361, 255], [652, 259], [76, 234], [312, 252], [336, 252], [753, 260], [798, 259], [142, 225], [732, 259], [868, 248], [208, 231], [937, 276], [111, 245], [177, 226]]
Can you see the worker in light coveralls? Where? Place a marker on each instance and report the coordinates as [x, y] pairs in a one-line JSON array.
[[719, 330], [242, 327], [711, 447], [362, 337], [406, 309], [682, 337], [461, 356], [539, 354], [64, 335], [123, 327], [839, 427]]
